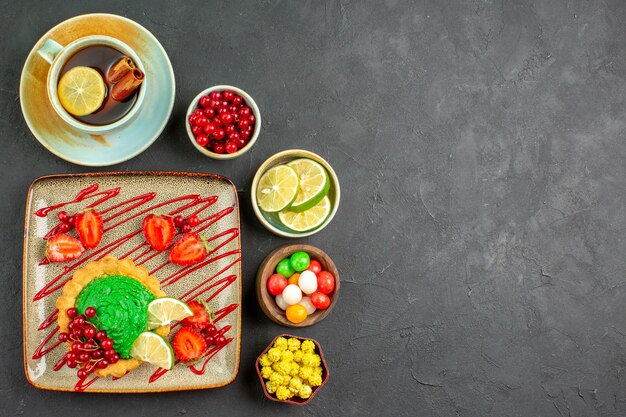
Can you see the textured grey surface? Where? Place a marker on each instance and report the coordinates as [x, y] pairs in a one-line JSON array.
[[481, 147]]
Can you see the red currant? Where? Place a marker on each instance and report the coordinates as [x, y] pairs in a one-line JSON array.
[[245, 111], [204, 101], [245, 134], [198, 112], [101, 364], [231, 147], [63, 216], [72, 312], [227, 118], [228, 95], [233, 109], [216, 95], [71, 220], [219, 134], [202, 140], [230, 129], [97, 354], [210, 340], [214, 104], [222, 110], [240, 142], [244, 123], [234, 137], [220, 340], [89, 332], [109, 353], [70, 356], [186, 228], [202, 121], [193, 220], [101, 335], [179, 221], [251, 119], [90, 312], [210, 128], [209, 112], [63, 337], [64, 227], [82, 373], [84, 357], [79, 320], [114, 358], [192, 119], [77, 347], [71, 364], [219, 148], [107, 344], [196, 130], [211, 330], [77, 332], [238, 100]]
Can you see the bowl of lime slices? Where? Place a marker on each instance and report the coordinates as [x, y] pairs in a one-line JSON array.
[[295, 193]]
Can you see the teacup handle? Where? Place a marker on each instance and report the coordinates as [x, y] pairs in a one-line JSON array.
[[49, 50]]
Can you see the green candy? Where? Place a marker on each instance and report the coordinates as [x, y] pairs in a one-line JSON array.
[[300, 261], [284, 268]]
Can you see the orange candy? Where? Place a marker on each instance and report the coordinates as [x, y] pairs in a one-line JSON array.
[[293, 279], [296, 313]]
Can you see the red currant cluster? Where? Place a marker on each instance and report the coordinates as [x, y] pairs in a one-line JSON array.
[[67, 221], [90, 348], [212, 336], [186, 224], [222, 116]]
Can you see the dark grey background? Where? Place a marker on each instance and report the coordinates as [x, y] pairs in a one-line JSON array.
[[481, 151]]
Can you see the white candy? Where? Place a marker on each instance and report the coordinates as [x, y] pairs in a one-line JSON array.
[[292, 294], [280, 302], [307, 281], [308, 306]]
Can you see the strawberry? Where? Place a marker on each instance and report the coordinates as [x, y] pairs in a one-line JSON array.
[[89, 228], [189, 345], [201, 316], [188, 250], [159, 231], [61, 248]]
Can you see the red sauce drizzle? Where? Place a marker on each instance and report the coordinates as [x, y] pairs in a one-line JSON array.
[[82, 195], [83, 384], [40, 351]]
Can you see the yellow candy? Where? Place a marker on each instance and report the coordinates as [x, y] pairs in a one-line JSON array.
[[276, 378], [265, 361], [305, 391], [308, 346], [297, 355], [295, 368], [281, 343], [286, 379], [266, 372], [283, 393], [287, 356], [315, 380], [318, 371], [274, 354], [308, 359], [293, 344], [305, 372], [295, 384], [271, 387]]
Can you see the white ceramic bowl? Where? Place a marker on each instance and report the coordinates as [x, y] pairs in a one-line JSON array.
[[270, 220], [249, 101]]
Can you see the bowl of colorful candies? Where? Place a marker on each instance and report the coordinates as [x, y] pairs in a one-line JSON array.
[[297, 285], [223, 122], [292, 369]]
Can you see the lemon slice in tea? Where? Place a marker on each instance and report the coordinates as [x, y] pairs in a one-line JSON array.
[[314, 184], [277, 188], [165, 310], [152, 348], [306, 220], [81, 91]]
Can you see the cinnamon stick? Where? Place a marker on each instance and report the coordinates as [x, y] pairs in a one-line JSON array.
[[127, 85], [120, 69]]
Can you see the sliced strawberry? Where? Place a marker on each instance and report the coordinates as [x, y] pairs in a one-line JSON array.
[[89, 227], [159, 231], [189, 345], [61, 248], [188, 250], [201, 317]]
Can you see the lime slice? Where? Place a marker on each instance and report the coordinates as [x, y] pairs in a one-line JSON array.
[[152, 348], [163, 311], [81, 91], [306, 220], [314, 184], [277, 188]]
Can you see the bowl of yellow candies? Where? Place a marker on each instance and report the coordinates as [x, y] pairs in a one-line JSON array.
[[292, 369]]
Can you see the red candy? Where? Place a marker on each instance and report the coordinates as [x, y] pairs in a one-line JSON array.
[[222, 115]]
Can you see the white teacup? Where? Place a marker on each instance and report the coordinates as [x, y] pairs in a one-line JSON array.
[[57, 55]]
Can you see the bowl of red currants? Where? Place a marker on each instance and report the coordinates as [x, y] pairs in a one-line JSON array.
[[223, 122]]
